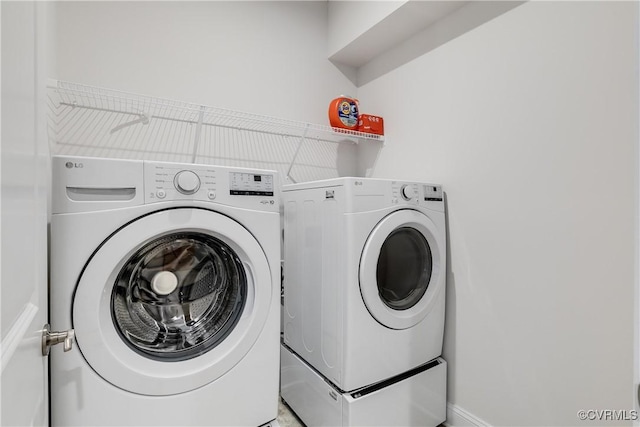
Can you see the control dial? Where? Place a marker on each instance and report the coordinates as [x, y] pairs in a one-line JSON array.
[[187, 182], [407, 192]]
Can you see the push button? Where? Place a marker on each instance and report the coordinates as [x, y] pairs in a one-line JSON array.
[[161, 194]]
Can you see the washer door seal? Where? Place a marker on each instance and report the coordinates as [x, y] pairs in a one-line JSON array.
[[402, 269], [100, 338]]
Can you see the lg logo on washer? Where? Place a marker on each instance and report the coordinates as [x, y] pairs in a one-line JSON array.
[[71, 165]]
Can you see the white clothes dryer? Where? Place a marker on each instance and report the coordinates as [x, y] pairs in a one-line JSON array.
[[364, 289], [170, 276]]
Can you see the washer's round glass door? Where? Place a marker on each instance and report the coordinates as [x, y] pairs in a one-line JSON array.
[[178, 296], [401, 269], [172, 301]]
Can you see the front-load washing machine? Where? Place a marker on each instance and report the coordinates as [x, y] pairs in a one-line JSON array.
[[364, 300], [169, 274]]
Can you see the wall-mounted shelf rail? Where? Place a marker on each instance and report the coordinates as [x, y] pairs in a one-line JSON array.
[[87, 120]]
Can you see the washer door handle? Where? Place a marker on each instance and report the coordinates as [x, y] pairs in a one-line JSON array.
[[52, 338]]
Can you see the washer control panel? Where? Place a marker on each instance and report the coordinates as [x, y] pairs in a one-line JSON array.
[[225, 185], [166, 181], [250, 184]]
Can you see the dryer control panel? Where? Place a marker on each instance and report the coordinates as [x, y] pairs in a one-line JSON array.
[[432, 193], [356, 195], [415, 193]]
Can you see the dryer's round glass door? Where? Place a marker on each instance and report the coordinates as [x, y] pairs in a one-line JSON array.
[[178, 296], [404, 268], [401, 269]]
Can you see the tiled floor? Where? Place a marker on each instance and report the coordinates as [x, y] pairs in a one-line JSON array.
[[286, 418]]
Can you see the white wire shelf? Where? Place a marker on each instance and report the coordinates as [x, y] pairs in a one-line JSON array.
[[86, 119]]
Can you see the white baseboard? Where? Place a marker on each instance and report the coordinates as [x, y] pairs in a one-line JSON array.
[[458, 417]]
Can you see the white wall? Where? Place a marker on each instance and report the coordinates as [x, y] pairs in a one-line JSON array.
[[260, 57], [530, 123]]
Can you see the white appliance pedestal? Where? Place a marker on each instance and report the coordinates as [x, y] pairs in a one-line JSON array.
[[417, 398]]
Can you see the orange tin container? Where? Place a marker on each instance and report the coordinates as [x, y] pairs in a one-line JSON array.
[[343, 113], [371, 124]]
